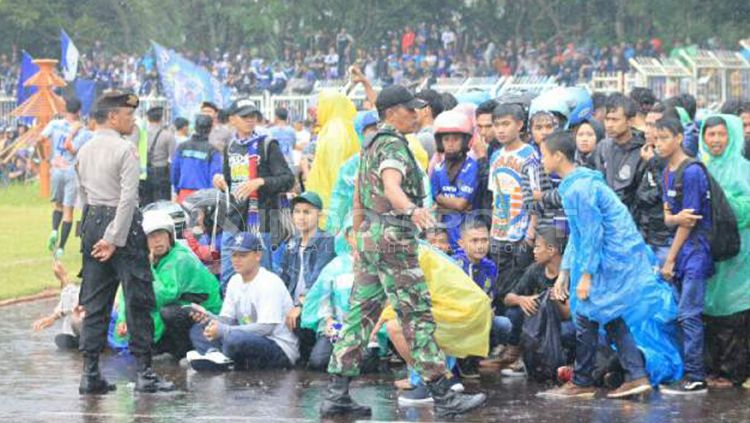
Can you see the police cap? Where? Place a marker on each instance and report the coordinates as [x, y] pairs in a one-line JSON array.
[[114, 99]]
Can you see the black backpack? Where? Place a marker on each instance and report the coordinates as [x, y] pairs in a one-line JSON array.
[[724, 236]]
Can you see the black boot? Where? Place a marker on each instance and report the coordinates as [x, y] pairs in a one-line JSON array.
[[449, 403], [148, 381], [338, 401], [92, 382]]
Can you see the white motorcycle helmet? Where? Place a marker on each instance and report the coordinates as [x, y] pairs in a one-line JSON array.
[[158, 220]]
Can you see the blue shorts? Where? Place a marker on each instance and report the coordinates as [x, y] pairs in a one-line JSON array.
[[64, 186]]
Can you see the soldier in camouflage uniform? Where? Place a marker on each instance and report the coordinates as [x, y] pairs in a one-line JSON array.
[[388, 215]]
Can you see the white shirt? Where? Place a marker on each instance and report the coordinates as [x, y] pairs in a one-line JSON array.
[[264, 299]]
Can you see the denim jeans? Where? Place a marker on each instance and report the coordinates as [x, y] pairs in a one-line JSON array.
[[500, 331], [247, 350], [586, 341], [691, 294], [320, 354], [661, 252], [227, 239], [516, 317]]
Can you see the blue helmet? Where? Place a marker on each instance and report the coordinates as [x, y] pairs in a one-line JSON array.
[[572, 104], [581, 105], [552, 102]]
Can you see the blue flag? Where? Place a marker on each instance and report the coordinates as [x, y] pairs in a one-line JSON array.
[[86, 92], [69, 57], [28, 69], [186, 84]]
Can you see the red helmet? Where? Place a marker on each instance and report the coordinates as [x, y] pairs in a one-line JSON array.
[[452, 122]]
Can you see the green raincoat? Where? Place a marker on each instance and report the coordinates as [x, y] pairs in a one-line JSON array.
[[179, 272], [728, 291]]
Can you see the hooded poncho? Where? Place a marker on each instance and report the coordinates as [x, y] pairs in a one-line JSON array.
[[728, 291]]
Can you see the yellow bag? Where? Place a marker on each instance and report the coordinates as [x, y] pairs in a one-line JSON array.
[[461, 309]]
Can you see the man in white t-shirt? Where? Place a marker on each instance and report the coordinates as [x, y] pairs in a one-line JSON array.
[[250, 329]]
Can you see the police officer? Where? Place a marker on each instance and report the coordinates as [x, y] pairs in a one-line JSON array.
[[114, 245], [388, 213], [159, 150]]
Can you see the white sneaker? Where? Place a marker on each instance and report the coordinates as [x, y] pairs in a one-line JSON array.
[[212, 361]]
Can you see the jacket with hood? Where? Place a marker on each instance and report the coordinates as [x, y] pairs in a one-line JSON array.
[[728, 291], [604, 243], [337, 142], [623, 168]]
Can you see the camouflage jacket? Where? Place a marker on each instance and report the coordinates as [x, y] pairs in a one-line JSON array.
[[388, 149]]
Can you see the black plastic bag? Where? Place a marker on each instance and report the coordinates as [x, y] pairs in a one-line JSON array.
[[541, 341]]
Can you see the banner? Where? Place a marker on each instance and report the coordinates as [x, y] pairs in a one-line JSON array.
[[69, 57], [186, 84], [86, 92], [28, 69]]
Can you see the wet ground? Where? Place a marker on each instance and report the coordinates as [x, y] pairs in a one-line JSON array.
[[39, 383]]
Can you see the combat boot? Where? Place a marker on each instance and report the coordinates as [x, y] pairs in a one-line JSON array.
[[338, 401], [148, 381], [92, 382], [449, 403]]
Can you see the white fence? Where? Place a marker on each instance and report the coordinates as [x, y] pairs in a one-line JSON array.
[[713, 77], [299, 105]]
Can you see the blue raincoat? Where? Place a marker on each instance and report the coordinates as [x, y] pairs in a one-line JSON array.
[[605, 243]]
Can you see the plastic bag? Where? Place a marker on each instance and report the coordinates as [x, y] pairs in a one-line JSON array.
[[461, 309], [541, 341]]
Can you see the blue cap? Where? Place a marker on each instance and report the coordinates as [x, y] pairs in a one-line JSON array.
[[245, 242]]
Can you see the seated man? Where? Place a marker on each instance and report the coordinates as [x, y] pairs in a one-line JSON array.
[[250, 329], [67, 309], [180, 279], [472, 257], [522, 301], [327, 302], [307, 253]]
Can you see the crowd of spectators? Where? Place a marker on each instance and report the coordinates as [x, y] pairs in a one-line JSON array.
[[408, 55]]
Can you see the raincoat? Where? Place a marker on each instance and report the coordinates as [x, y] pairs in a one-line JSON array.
[[728, 291], [337, 142], [605, 243], [462, 311], [329, 295], [176, 274], [342, 197]]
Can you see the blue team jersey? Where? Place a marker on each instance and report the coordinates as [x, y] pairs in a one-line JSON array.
[[463, 185], [694, 259]]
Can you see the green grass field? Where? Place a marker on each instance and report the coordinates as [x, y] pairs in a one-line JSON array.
[[25, 263]]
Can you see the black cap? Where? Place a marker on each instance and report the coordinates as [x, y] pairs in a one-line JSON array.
[[210, 105], [433, 99], [244, 107], [117, 99], [397, 95]]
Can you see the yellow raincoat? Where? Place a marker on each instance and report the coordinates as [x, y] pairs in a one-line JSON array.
[[461, 309], [337, 141]]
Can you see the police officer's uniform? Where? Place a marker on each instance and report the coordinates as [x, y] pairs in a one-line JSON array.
[[161, 145], [108, 173]]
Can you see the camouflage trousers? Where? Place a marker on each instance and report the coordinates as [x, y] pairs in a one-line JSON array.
[[388, 270]]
